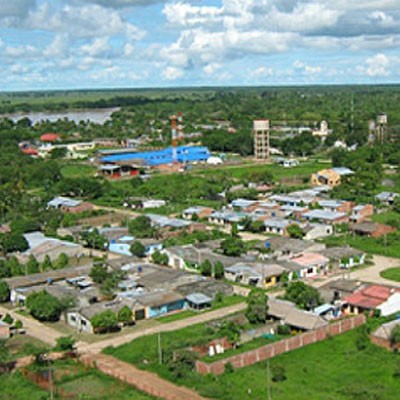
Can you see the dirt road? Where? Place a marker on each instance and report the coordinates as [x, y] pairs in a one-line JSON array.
[[84, 347]]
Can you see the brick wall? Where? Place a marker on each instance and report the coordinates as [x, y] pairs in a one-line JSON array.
[[271, 350]]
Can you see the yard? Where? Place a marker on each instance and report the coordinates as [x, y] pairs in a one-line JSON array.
[[73, 380], [391, 273], [17, 387], [331, 370]]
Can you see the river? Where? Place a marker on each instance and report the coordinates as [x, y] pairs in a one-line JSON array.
[[96, 115]]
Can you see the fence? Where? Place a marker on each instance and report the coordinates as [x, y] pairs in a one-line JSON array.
[[271, 350]]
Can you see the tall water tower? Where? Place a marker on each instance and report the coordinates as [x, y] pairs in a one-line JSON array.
[[261, 139], [381, 127]]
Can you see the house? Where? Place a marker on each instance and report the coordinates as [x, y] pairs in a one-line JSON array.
[[336, 205], [361, 213], [67, 205], [334, 291], [387, 198], [161, 302], [293, 199], [41, 246], [312, 264], [254, 274], [317, 231], [162, 221], [242, 204], [383, 298], [383, 335], [226, 218], [287, 313], [326, 311], [198, 301], [199, 211], [296, 212], [80, 319], [326, 217], [330, 177], [277, 226], [372, 229], [189, 256], [343, 257], [287, 248], [207, 286]]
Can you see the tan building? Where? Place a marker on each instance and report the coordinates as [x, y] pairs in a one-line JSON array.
[[330, 177], [261, 139]]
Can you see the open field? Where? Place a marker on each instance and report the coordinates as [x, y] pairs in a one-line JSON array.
[[17, 387], [331, 370]]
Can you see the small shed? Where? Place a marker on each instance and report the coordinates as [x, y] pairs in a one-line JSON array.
[[198, 301]]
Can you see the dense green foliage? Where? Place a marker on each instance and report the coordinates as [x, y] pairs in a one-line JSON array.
[[302, 295], [4, 292], [106, 321], [257, 306], [43, 306]]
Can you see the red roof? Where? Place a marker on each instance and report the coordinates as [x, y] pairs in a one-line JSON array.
[[370, 297], [49, 137], [30, 151]]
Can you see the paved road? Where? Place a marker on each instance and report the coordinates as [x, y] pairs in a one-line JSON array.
[[368, 274], [34, 328], [371, 274], [97, 347]]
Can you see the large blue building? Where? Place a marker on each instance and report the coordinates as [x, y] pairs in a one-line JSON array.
[[184, 154]]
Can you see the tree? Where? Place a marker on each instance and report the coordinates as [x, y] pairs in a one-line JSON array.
[[65, 343], [105, 321], [304, 296], [99, 273], [43, 306], [278, 373], [257, 307], [295, 231], [232, 246], [94, 239], [125, 315], [206, 268], [138, 249], [62, 261], [13, 241], [46, 264], [182, 363], [140, 227], [219, 270], [32, 266], [395, 336], [4, 292], [159, 258], [58, 152]]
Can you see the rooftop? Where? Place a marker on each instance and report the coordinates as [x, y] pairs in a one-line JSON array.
[[324, 215]]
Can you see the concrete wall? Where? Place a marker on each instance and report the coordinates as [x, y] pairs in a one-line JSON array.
[[271, 350]]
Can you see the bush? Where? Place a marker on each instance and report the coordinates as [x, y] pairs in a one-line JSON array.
[[43, 306], [278, 373], [229, 368], [105, 321], [8, 319], [18, 324], [283, 330], [65, 343], [181, 363], [4, 292]]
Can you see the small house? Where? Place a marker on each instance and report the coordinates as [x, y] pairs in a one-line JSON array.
[[312, 264]]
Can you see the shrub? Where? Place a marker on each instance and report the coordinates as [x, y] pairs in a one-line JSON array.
[[8, 319], [105, 321], [43, 306], [229, 368], [278, 373], [283, 330], [65, 343]]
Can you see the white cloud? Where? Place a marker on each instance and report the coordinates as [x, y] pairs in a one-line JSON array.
[[128, 50], [25, 51], [172, 73], [59, 47], [212, 68], [97, 47], [377, 65], [19, 69], [261, 72]]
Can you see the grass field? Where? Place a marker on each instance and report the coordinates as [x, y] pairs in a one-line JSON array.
[[331, 370], [75, 170], [73, 380], [391, 273], [367, 244], [17, 387], [227, 301]]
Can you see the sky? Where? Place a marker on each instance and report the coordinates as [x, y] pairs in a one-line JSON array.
[[73, 44]]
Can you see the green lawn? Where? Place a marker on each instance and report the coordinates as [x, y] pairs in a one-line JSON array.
[[367, 244], [331, 370], [391, 273], [74, 380], [227, 301], [75, 170], [16, 387]]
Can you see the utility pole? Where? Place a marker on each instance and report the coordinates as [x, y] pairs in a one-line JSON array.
[[269, 396], [159, 349]]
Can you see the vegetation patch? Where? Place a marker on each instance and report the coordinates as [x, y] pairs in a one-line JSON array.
[[391, 273]]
